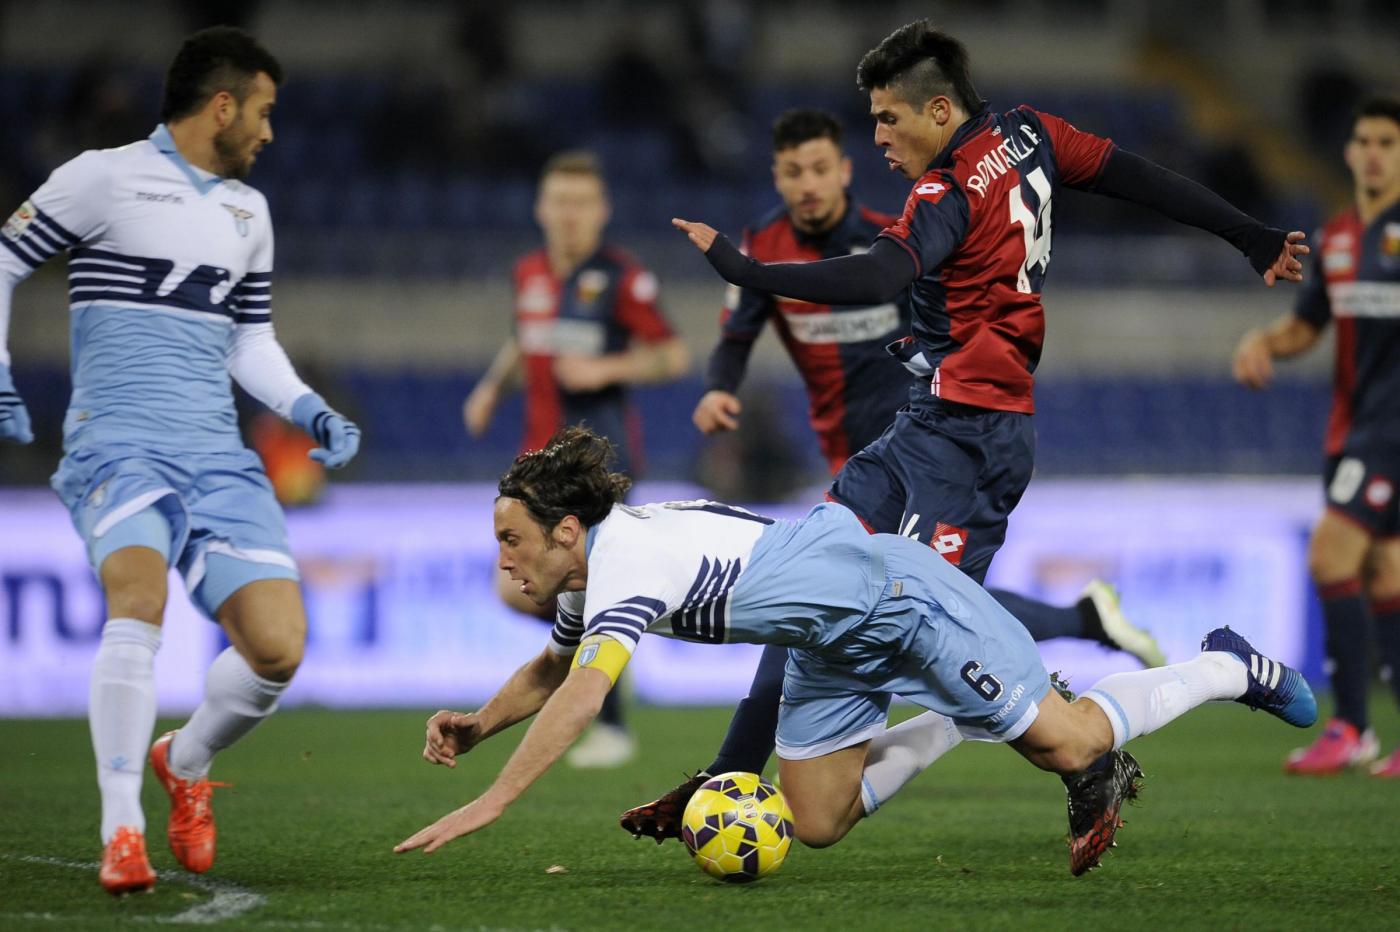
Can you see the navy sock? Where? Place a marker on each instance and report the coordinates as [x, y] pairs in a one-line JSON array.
[[611, 712], [1042, 620], [749, 741], [1348, 646], [1387, 619]]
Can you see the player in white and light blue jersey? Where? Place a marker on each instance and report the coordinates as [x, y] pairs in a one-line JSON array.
[[170, 277], [865, 617]]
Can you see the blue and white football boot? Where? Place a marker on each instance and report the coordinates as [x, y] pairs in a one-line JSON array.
[[1274, 687]]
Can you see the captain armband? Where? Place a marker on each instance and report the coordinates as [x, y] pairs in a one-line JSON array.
[[602, 653]]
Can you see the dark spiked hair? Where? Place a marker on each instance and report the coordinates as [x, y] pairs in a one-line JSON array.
[[1388, 107], [794, 127], [570, 476], [220, 58], [918, 63]]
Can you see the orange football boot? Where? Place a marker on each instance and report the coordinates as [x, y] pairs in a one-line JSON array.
[[125, 867], [191, 829]]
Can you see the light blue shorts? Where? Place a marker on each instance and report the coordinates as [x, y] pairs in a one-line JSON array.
[[211, 515], [933, 637]]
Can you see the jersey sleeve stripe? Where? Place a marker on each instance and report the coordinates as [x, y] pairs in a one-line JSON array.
[[620, 631], [45, 240], [57, 228], [918, 263], [22, 255]]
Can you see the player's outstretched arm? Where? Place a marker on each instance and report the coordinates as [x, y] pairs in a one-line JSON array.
[[872, 277], [14, 416], [569, 711], [1274, 254], [524, 694]]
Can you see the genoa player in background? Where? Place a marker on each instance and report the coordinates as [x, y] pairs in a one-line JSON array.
[[1354, 555], [587, 325], [972, 247], [854, 386]]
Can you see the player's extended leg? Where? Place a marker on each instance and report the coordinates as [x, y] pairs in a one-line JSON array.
[[1096, 616], [1384, 590], [266, 625], [1066, 737], [747, 746], [122, 701], [1336, 556]]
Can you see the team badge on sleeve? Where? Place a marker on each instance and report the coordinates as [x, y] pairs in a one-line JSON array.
[[19, 221]]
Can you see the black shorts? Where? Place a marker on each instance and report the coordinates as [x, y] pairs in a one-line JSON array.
[[944, 474], [1360, 487]]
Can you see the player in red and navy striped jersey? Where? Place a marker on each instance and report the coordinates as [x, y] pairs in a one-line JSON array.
[[972, 247], [1354, 556], [587, 326]]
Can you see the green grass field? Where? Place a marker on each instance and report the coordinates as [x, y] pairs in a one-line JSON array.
[[1221, 839]]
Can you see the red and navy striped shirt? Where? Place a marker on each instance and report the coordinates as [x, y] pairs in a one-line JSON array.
[[1355, 281], [606, 303], [853, 386], [977, 226]]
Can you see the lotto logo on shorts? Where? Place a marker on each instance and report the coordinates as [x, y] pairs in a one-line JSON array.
[[1379, 492], [949, 541]]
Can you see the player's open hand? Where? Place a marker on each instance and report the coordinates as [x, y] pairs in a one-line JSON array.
[[702, 235], [475, 815], [449, 734], [717, 411], [1288, 266], [1253, 363]]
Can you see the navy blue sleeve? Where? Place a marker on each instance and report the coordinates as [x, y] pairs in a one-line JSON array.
[[1313, 305], [728, 362], [873, 277], [934, 222], [1133, 178]]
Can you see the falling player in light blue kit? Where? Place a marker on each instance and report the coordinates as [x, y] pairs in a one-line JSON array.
[[866, 617], [170, 296]]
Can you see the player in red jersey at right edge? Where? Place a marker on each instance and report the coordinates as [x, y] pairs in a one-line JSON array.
[[1354, 555], [973, 245]]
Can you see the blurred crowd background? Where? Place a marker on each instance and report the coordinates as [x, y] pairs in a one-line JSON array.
[[409, 136]]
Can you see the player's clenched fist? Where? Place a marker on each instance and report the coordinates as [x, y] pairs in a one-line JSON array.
[[718, 410], [449, 734]]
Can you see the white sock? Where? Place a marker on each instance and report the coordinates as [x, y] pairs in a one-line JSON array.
[[235, 700], [902, 753], [1140, 702], [121, 716]]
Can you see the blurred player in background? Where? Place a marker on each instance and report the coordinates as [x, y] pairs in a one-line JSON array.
[[867, 617], [854, 386], [587, 325], [171, 295], [1354, 555], [973, 247]]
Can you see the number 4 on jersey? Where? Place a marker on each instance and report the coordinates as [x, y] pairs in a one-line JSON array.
[[1035, 229]]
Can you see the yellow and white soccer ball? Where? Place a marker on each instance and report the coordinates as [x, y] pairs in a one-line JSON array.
[[738, 827]]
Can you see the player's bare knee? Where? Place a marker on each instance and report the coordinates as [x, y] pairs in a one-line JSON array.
[[144, 602], [276, 658], [816, 832]]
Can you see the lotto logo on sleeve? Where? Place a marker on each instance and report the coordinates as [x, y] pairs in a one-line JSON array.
[[949, 541]]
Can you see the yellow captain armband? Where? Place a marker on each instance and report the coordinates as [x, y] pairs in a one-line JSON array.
[[602, 653]]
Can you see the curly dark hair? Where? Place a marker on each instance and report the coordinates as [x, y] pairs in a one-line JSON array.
[[570, 476], [220, 58], [918, 63]]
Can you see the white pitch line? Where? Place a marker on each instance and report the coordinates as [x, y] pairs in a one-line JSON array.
[[228, 899]]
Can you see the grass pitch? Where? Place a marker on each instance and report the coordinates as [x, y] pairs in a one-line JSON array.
[[1220, 839]]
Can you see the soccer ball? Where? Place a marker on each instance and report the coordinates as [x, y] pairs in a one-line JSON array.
[[738, 827]]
